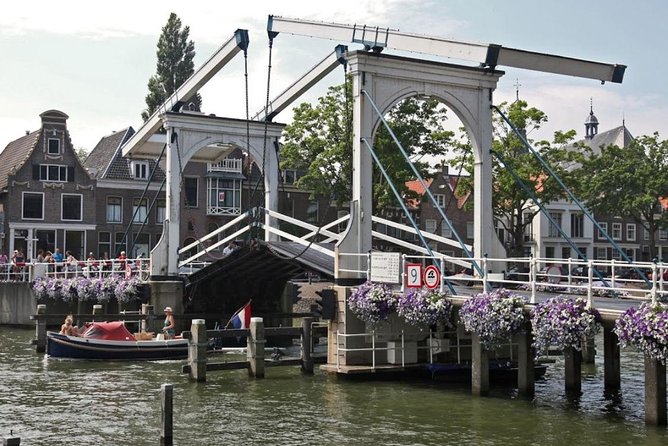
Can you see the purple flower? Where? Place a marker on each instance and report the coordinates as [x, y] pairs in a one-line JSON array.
[[372, 302], [424, 307], [562, 323], [645, 328]]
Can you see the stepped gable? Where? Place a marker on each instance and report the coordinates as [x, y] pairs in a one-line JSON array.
[[15, 154]]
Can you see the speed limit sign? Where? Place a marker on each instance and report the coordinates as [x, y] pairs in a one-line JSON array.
[[413, 275], [432, 277]]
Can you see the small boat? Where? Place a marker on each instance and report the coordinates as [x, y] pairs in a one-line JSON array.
[[498, 371], [113, 341]]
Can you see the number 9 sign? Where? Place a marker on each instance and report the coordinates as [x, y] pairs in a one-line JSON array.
[[413, 275]]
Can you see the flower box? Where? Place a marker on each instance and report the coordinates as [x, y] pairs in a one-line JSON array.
[[394, 352]]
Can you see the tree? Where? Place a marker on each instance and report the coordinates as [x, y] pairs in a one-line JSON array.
[[81, 153], [175, 64], [629, 182], [512, 205], [319, 141]]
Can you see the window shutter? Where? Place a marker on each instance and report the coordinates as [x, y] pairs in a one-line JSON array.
[[70, 173], [35, 171]]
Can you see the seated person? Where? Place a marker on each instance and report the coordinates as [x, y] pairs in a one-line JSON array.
[[68, 328]]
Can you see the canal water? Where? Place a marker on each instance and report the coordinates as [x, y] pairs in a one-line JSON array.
[[55, 402]]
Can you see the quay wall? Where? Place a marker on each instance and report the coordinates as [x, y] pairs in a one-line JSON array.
[[17, 303]]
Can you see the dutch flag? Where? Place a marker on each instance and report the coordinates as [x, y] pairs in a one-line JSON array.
[[241, 318]]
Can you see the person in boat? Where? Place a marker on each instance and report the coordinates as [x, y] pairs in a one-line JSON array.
[[68, 328], [169, 326]]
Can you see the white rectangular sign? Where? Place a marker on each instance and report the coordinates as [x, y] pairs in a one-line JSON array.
[[385, 267]]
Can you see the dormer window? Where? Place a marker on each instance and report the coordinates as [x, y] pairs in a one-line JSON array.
[[140, 170], [53, 146]]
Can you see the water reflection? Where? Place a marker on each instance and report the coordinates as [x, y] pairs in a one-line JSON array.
[[50, 402]]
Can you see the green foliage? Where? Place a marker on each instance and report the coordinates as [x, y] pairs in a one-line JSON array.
[[628, 182], [510, 202], [319, 140], [175, 64]]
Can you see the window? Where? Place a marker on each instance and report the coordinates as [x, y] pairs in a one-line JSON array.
[[54, 172], [645, 234], [440, 200], [161, 212], [631, 232], [577, 225], [469, 229], [114, 210], [554, 231], [139, 210], [223, 196], [601, 254], [103, 243], [312, 212], [445, 230], [190, 188], [119, 244], [602, 231], [72, 207], [33, 206], [430, 225], [549, 252], [140, 170], [53, 146], [663, 234], [527, 221], [616, 231]]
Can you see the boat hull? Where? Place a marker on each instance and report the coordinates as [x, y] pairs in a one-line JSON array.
[[72, 347]]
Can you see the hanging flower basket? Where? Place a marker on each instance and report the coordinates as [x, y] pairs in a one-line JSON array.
[[494, 316], [86, 289], [646, 329], [372, 302], [424, 307], [563, 323]]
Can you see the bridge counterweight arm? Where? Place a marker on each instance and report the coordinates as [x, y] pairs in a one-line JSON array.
[[487, 55], [224, 54]]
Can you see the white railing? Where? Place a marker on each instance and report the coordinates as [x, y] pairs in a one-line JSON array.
[[28, 271], [226, 165]]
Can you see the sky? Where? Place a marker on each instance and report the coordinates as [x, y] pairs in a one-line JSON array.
[[93, 62]]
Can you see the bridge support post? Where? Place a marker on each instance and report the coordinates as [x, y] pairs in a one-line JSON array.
[[611, 362], [573, 369], [255, 351], [655, 392], [197, 350], [40, 329], [479, 368], [307, 345], [588, 350], [526, 379]]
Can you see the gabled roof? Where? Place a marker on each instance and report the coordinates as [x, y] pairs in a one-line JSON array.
[[416, 186], [618, 136], [15, 154], [107, 162]]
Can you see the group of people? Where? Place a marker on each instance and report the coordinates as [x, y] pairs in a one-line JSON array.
[[69, 328]]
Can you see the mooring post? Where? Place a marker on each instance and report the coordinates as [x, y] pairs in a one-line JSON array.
[[11, 440], [167, 418], [40, 329], [655, 392], [611, 360], [197, 350], [97, 310], [526, 379], [146, 310], [588, 350], [255, 351], [307, 345], [479, 368], [573, 369]]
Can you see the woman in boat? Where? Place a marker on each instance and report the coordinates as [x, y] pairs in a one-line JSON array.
[[68, 328], [169, 326]]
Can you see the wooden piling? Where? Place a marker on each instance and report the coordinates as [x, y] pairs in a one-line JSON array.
[[146, 310], [197, 350], [526, 373], [97, 309], [479, 368], [611, 359], [167, 418], [307, 345], [573, 369], [255, 351], [40, 329], [655, 392], [11, 440]]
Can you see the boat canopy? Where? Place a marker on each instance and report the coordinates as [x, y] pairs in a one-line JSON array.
[[111, 331]]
